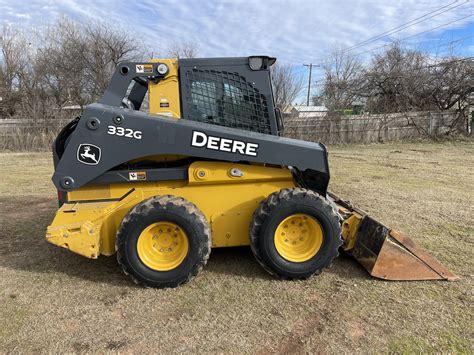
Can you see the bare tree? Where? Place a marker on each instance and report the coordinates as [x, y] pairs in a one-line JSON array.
[[343, 78], [286, 85], [13, 63], [77, 60], [403, 80], [318, 100], [396, 81], [64, 64], [183, 50], [452, 82], [452, 87]]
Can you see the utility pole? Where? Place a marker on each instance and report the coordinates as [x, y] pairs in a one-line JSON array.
[[310, 65]]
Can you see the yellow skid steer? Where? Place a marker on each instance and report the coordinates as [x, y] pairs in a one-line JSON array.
[[184, 155]]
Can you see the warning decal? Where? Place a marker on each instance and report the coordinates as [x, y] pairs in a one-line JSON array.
[[137, 176], [144, 68]]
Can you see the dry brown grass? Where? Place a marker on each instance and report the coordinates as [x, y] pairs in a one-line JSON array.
[[28, 139], [52, 300]]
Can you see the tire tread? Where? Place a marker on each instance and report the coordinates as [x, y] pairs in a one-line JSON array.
[[166, 202], [270, 204]]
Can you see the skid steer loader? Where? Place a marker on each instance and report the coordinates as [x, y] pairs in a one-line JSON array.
[[205, 168]]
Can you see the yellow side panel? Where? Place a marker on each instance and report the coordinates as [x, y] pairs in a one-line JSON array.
[[90, 193], [229, 208], [226, 193], [164, 95], [89, 228]]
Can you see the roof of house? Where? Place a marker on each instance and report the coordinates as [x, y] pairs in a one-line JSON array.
[[301, 108]]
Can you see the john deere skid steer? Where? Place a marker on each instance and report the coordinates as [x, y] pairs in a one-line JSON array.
[[205, 168]]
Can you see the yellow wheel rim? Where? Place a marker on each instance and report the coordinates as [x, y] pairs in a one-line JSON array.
[[298, 238], [162, 246]]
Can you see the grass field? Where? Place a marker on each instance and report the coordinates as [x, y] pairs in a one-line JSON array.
[[52, 300]]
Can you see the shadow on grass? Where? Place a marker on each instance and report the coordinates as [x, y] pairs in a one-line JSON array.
[[236, 261], [346, 267], [23, 247], [240, 261]]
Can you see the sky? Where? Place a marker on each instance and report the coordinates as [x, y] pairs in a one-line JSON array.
[[296, 32]]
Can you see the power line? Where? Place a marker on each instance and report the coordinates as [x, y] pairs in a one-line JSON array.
[[399, 28], [450, 43], [311, 65], [415, 35], [321, 82], [408, 24], [447, 62], [383, 35]]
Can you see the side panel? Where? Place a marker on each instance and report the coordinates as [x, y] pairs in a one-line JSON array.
[[100, 143]]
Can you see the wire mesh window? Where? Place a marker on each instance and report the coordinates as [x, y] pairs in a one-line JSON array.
[[225, 99]]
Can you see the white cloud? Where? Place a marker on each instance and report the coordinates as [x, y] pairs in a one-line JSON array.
[[294, 31]]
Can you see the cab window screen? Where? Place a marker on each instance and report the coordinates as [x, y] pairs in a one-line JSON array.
[[204, 100], [225, 99]]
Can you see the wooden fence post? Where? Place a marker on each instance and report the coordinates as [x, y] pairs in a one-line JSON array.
[[430, 128]]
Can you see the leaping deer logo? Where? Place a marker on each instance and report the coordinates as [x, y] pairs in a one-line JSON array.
[[88, 154]]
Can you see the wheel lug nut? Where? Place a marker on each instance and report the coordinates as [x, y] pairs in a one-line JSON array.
[[162, 250], [161, 231], [169, 249], [286, 240], [175, 243], [168, 230]]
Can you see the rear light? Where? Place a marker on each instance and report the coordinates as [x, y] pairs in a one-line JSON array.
[[62, 197]]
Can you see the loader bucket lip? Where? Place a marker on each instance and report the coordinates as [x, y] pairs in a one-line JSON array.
[[389, 255], [402, 259]]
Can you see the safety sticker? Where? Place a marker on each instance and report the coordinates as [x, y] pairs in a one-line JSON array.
[[137, 176], [144, 68]]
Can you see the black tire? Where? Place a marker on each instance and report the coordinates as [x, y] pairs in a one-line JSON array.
[[166, 208], [274, 209]]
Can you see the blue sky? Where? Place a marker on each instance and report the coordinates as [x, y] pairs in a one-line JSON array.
[[296, 32]]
